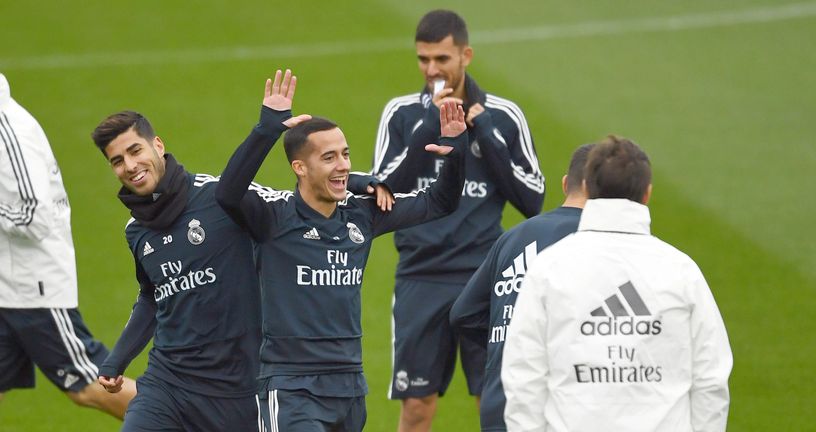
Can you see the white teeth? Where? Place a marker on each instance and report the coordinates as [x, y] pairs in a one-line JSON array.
[[139, 176]]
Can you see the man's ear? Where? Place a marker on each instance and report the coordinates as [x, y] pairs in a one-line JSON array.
[[564, 185], [647, 195], [584, 188], [467, 54], [299, 167], [158, 144]]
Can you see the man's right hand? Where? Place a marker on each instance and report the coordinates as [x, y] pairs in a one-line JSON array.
[[279, 94], [451, 119], [443, 97], [112, 385], [452, 124]]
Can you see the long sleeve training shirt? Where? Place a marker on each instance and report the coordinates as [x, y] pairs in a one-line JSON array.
[[311, 266], [500, 166], [198, 300], [37, 263]]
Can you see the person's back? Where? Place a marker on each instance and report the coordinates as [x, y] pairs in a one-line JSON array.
[[485, 308], [615, 329], [621, 348]]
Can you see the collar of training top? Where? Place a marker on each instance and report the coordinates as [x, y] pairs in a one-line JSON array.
[[615, 215]]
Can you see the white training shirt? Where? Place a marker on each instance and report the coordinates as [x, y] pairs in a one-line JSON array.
[[615, 330], [37, 263]]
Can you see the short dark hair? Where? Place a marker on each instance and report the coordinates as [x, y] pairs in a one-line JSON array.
[[617, 168], [297, 137], [439, 24], [119, 123], [575, 175]]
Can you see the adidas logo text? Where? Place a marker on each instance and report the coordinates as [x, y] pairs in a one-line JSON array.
[[515, 273], [621, 322]]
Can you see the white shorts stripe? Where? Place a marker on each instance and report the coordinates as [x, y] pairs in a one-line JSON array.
[[83, 353], [277, 409], [260, 417], [68, 345]]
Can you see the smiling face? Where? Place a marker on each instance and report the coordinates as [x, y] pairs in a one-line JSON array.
[[323, 169], [136, 161], [443, 60]]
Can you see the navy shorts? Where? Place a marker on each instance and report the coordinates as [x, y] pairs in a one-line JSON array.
[[301, 411], [425, 345], [56, 340], [162, 407]]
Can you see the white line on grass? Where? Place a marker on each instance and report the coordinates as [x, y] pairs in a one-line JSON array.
[[524, 34]]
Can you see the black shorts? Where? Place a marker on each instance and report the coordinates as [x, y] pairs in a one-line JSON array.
[[56, 340], [425, 344], [159, 407], [302, 411]]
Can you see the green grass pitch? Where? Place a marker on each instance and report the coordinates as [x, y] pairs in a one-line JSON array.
[[720, 93]]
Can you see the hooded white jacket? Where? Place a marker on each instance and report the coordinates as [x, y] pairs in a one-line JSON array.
[[37, 264], [615, 330]]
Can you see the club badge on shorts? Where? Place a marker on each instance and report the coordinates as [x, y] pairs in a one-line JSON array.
[[401, 381], [355, 234], [195, 234]]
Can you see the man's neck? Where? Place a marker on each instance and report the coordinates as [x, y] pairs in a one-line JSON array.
[[323, 207], [574, 201]]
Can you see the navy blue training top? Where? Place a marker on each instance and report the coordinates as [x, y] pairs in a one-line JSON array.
[[311, 266], [198, 299]]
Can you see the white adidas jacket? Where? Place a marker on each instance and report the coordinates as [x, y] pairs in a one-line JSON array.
[[615, 330], [37, 264]]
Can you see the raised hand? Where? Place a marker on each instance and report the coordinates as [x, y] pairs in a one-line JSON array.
[[451, 124], [474, 111], [279, 94], [451, 120]]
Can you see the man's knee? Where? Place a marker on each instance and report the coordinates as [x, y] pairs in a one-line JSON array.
[[90, 396], [419, 409]]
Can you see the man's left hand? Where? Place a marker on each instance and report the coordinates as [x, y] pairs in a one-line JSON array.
[[474, 111], [385, 199]]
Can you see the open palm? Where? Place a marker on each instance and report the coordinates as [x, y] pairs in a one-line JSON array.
[[279, 94], [451, 119]]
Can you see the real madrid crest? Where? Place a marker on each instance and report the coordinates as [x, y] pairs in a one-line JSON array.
[[195, 234], [355, 234], [475, 149]]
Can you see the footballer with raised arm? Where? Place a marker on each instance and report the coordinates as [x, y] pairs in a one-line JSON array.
[[313, 244]]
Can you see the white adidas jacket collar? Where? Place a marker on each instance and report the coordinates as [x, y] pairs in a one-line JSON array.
[[615, 215]]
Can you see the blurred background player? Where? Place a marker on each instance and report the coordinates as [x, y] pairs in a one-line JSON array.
[[39, 319], [313, 245], [435, 263], [615, 329], [198, 292], [484, 309]]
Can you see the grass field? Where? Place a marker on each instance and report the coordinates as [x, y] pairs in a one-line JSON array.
[[721, 95]]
